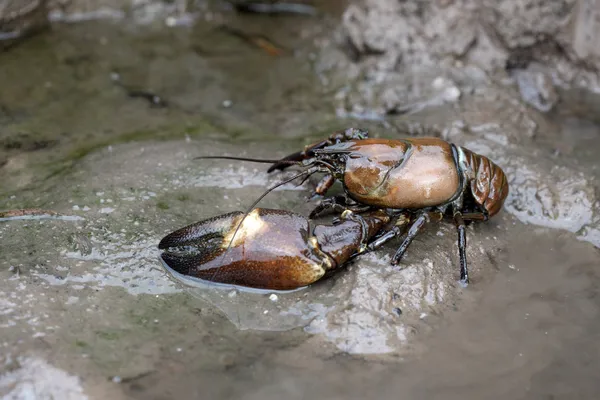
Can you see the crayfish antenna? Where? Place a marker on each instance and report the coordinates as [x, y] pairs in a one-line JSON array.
[[287, 161], [256, 160]]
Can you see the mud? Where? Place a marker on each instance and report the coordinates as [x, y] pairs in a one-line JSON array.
[[87, 308]]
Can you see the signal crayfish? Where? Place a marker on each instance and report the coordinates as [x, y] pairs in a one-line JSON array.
[[391, 188]]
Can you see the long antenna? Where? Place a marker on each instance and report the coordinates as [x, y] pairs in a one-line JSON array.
[[256, 160], [307, 172]]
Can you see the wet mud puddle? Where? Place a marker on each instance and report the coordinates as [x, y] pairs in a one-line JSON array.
[[87, 308]]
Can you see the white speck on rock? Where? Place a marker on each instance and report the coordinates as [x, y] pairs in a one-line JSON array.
[[72, 300]]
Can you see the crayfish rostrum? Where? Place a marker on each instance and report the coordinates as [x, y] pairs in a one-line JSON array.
[[391, 188]]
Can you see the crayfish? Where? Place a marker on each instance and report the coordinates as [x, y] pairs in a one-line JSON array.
[[391, 188]]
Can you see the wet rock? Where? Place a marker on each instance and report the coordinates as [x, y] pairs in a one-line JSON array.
[[536, 88], [356, 310], [497, 114], [442, 91], [557, 197], [26, 142], [487, 34], [381, 94], [365, 322], [19, 18], [36, 379], [521, 23], [586, 28], [545, 194]]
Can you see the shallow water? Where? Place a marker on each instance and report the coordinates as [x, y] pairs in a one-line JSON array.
[[85, 302]]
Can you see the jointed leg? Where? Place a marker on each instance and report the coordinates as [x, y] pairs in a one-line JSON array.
[[413, 232], [474, 216], [323, 186], [396, 230], [339, 204], [462, 246]]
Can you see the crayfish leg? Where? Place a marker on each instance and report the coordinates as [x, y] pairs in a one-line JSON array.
[[462, 247], [324, 184], [397, 229], [413, 231], [349, 237], [337, 204]]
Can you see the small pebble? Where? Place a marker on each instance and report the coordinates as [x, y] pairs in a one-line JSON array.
[[171, 21]]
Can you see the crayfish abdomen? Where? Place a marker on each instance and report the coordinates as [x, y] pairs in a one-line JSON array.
[[489, 186]]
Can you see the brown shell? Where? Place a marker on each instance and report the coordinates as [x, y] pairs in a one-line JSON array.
[[489, 185], [410, 173], [341, 241], [270, 250]]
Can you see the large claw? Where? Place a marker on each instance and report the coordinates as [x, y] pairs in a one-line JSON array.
[[308, 152], [268, 249]]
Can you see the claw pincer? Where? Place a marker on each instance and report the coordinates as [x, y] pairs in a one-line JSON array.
[[266, 248]]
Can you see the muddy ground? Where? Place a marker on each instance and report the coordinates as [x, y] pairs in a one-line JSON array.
[[102, 114]]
